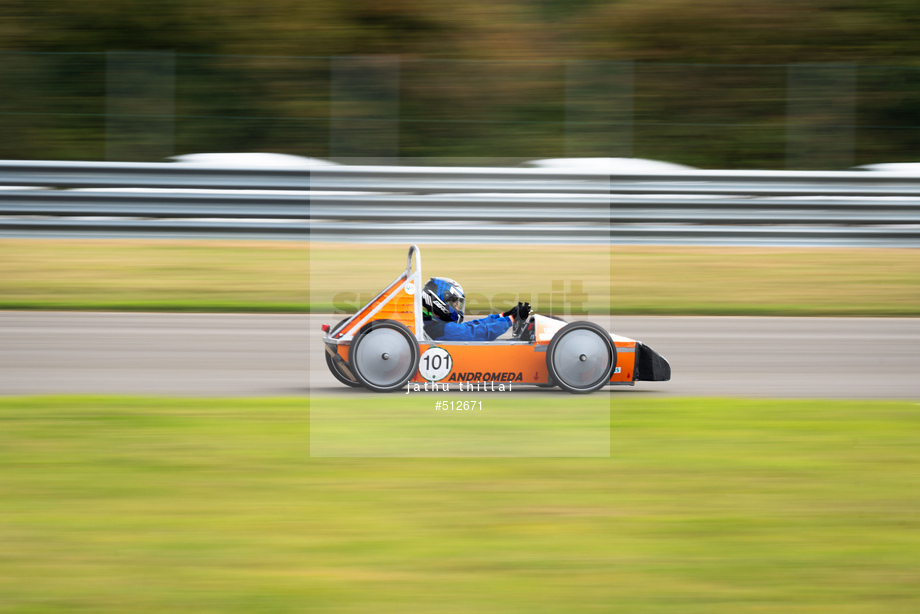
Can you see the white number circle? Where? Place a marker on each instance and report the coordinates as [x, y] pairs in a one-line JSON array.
[[435, 364]]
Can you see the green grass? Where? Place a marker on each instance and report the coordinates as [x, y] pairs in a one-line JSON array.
[[252, 276], [152, 505]]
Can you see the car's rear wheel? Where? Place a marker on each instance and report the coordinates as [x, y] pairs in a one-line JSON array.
[[384, 355], [339, 373], [339, 369], [581, 357]]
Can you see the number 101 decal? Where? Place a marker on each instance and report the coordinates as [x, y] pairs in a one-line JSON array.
[[435, 364]]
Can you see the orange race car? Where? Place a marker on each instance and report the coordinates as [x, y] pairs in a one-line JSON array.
[[384, 347]]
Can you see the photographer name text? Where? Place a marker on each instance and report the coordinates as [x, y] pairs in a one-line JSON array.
[[491, 386]]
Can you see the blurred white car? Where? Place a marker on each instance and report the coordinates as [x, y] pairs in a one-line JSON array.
[[910, 168], [251, 160], [609, 165]]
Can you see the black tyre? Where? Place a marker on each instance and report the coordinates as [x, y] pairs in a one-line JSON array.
[[336, 369], [581, 357], [339, 373], [384, 355]]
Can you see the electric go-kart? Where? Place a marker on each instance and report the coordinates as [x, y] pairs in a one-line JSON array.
[[383, 347]]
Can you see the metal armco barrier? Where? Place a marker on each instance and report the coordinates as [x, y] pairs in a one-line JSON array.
[[459, 205]]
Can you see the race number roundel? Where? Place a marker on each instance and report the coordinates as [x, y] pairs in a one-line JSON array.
[[435, 364]]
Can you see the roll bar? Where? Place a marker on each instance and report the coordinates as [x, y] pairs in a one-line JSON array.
[[416, 279], [413, 249]]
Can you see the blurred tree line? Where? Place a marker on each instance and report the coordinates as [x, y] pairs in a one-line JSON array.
[[711, 83]]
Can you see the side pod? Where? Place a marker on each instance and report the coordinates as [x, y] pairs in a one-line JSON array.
[[650, 365]]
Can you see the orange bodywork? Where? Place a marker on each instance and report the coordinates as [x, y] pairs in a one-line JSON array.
[[394, 303], [514, 362], [517, 363]]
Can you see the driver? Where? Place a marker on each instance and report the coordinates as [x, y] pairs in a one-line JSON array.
[[442, 313]]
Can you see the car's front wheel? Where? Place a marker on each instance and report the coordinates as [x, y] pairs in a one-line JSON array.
[[581, 357]]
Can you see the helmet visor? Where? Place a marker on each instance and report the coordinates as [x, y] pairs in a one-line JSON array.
[[454, 298]]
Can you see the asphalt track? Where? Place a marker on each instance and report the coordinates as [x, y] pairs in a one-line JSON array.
[[219, 355]]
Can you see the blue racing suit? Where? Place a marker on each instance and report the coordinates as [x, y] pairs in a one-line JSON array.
[[488, 328]]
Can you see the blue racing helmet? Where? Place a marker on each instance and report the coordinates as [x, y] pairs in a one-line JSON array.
[[443, 298]]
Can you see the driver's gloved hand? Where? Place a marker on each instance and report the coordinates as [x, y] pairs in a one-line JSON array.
[[523, 311], [512, 312]]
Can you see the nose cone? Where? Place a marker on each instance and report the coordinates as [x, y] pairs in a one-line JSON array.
[[650, 365]]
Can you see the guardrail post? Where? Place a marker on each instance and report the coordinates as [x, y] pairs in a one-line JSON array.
[[140, 106], [360, 83], [599, 109], [821, 103]]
